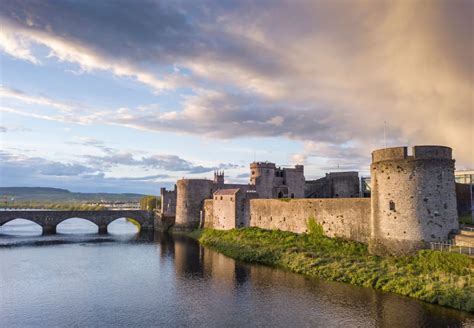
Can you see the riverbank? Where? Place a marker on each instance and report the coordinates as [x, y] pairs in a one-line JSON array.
[[434, 277]]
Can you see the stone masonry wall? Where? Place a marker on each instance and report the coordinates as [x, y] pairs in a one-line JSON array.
[[168, 202], [346, 218], [225, 212], [208, 214], [413, 199]]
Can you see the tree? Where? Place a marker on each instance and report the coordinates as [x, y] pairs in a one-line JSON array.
[[150, 203]]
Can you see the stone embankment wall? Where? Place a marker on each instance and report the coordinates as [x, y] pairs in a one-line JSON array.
[[346, 218]]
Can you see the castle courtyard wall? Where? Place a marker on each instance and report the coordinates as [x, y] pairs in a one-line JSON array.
[[208, 214], [347, 218]]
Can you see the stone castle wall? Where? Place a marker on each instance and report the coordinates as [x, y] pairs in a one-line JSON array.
[[413, 198], [334, 185], [208, 214], [168, 202], [191, 194], [225, 210], [344, 217], [413, 201], [295, 180]]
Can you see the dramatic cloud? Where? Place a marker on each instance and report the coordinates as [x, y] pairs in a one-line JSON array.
[[330, 72], [21, 170], [12, 165], [171, 163]]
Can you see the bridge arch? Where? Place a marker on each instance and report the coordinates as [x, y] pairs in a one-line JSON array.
[[49, 219], [76, 225], [6, 226], [137, 223]]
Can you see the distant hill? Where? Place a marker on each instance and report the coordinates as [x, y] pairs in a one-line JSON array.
[[61, 195]]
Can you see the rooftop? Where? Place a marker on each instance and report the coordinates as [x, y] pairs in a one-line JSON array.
[[227, 191]]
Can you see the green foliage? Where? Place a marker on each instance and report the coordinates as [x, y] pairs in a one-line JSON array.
[[135, 223], [314, 228], [466, 219], [284, 199], [431, 276], [149, 203]]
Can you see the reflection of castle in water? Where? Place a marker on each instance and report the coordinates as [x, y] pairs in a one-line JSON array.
[[261, 287]]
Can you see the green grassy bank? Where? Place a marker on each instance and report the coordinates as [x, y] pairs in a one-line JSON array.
[[430, 276]]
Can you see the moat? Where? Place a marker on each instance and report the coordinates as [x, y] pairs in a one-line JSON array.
[[80, 278]]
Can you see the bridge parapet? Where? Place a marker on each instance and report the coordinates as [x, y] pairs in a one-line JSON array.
[[49, 220]]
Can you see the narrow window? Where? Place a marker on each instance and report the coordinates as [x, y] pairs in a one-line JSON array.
[[391, 205], [292, 195]]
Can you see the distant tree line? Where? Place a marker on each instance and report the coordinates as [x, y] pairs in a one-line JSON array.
[[43, 204], [150, 203]]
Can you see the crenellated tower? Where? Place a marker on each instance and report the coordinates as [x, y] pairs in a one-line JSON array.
[[413, 199], [219, 177]]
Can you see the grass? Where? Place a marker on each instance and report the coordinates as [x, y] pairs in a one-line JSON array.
[[466, 219], [431, 276]]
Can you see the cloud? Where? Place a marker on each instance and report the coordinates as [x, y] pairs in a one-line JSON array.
[[16, 94], [12, 163], [333, 77], [172, 163], [21, 170], [92, 142], [104, 41]]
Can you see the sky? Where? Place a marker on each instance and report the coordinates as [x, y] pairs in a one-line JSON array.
[[129, 96]]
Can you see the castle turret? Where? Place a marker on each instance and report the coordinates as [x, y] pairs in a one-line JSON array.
[[191, 194], [262, 175], [413, 199], [219, 177]]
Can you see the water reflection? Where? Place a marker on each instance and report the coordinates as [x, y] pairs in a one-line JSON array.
[[21, 227], [151, 279], [76, 226]]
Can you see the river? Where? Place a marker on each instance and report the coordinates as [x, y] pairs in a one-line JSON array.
[[78, 278]]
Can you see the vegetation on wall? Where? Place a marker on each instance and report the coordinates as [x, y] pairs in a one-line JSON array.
[[430, 276], [149, 203]]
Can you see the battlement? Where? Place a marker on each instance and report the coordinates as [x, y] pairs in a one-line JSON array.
[[219, 177], [432, 152], [332, 175], [299, 168], [265, 165], [419, 152]]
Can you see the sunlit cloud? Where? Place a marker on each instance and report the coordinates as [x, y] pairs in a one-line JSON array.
[[336, 78]]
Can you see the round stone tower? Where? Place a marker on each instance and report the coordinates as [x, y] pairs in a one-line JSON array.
[[262, 175], [191, 194], [413, 199]]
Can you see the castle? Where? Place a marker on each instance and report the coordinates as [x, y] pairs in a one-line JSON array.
[[413, 201]]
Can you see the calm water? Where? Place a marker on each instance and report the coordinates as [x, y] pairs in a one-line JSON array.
[[80, 279]]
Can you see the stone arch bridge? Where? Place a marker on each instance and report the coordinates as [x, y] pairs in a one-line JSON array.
[[49, 220]]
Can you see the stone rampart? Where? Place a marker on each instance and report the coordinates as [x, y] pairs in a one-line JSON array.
[[346, 218]]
